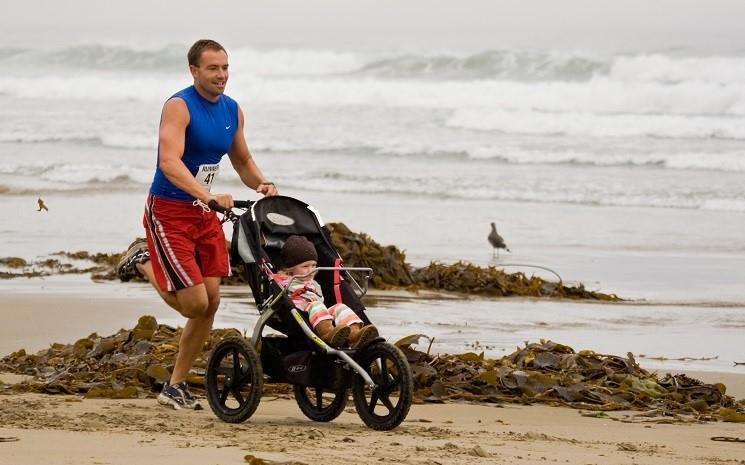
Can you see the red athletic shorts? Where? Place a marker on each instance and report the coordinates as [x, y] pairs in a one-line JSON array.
[[186, 243]]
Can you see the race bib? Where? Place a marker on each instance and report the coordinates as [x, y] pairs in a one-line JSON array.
[[206, 174]]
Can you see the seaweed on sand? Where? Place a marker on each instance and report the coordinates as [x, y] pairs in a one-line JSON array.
[[556, 374], [103, 265], [135, 363]]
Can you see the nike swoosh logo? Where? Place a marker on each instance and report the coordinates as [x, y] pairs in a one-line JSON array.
[[227, 127]]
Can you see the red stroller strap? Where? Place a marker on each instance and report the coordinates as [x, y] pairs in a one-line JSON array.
[[337, 281]]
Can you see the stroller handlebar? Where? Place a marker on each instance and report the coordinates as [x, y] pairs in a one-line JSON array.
[[236, 204]]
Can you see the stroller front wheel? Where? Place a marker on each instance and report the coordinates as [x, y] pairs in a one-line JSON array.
[[234, 380], [320, 404], [386, 406]]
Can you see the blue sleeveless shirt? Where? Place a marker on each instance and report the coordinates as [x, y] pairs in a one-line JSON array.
[[209, 135]]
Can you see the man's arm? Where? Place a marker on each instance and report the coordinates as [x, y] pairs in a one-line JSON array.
[[171, 137], [244, 163]]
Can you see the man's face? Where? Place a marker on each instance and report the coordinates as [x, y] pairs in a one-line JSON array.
[[211, 75]]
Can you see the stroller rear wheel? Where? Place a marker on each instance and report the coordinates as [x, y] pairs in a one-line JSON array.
[[234, 380], [386, 406], [321, 404]]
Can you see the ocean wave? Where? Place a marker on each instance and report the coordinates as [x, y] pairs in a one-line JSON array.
[[93, 87], [10, 52], [136, 175], [99, 57], [417, 151], [554, 66], [439, 188], [46, 189], [599, 125], [669, 69], [721, 161], [491, 64], [500, 64], [729, 161], [63, 176], [172, 59], [598, 96], [83, 136], [294, 62]]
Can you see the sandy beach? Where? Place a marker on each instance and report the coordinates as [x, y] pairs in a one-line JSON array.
[[124, 432], [94, 431]]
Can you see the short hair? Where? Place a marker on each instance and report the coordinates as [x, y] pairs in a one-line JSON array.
[[195, 52]]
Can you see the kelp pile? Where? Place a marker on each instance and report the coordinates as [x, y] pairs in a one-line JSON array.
[[494, 282], [129, 364], [553, 373], [391, 271], [359, 250], [68, 263], [134, 363]]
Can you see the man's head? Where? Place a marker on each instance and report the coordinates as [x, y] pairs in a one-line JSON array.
[[208, 64]]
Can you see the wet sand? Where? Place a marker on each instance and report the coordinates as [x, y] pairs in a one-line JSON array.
[[35, 321]]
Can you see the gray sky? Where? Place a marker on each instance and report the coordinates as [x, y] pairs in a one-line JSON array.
[[471, 24]]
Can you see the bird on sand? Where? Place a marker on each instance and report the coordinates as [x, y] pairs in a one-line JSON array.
[[496, 241], [41, 205]]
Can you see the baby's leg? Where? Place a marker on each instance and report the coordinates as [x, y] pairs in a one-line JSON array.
[[344, 316], [359, 334], [322, 322], [317, 313]]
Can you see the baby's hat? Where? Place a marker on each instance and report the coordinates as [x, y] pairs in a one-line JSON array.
[[297, 249]]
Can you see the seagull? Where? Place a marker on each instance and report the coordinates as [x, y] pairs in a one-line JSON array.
[[41, 205], [496, 241]]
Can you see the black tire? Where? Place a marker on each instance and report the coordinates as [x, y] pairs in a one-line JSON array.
[[321, 404], [234, 380], [387, 406]]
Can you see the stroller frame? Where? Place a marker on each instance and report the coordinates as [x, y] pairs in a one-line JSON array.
[[377, 373]]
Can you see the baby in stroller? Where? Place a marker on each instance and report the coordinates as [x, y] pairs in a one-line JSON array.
[[338, 325]]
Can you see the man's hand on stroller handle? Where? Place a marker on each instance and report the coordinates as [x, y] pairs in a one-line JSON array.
[[225, 201], [218, 207]]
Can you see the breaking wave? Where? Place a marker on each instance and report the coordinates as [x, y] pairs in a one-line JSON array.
[[517, 65]]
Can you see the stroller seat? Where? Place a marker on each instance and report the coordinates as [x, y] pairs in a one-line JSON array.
[[258, 240]]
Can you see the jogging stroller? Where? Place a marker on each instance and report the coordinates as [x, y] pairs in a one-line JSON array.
[[377, 373]]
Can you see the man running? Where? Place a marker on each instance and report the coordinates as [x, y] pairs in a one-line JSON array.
[[185, 255]]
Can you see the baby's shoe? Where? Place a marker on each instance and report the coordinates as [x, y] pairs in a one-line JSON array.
[[337, 337], [365, 335]]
